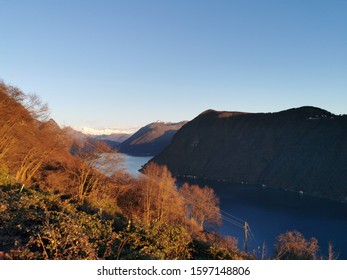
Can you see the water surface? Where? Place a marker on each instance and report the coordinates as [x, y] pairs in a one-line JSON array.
[[133, 164], [271, 212]]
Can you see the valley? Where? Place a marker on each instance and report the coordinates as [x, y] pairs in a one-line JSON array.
[[271, 211], [275, 176]]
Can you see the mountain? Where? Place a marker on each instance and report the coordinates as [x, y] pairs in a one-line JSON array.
[[50, 125], [150, 139], [87, 143], [75, 134], [302, 149], [105, 131], [115, 137], [112, 138]]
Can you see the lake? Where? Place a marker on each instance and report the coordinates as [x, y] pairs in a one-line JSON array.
[[110, 162], [133, 164], [270, 212]]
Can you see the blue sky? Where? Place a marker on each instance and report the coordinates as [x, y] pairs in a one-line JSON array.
[[105, 63]]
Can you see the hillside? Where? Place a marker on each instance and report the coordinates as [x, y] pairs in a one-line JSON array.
[[150, 139], [82, 139], [29, 144], [301, 149], [82, 142], [54, 204]]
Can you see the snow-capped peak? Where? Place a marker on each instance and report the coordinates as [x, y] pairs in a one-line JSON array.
[[105, 131]]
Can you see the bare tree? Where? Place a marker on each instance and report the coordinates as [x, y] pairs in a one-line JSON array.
[[8, 119], [155, 198], [6, 139], [30, 164], [202, 204], [31, 102], [331, 254], [91, 168], [85, 177], [292, 245]]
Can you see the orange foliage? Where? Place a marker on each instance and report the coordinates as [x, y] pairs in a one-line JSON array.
[[202, 205], [293, 246]]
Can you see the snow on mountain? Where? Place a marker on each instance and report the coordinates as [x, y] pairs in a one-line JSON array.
[[106, 131]]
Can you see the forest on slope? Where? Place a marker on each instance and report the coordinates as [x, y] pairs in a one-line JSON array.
[[301, 149], [55, 205]]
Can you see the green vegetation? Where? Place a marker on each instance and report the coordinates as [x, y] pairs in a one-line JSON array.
[[38, 225], [55, 205]]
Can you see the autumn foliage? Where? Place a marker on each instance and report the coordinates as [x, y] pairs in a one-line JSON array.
[[292, 245], [57, 203], [201, 205]]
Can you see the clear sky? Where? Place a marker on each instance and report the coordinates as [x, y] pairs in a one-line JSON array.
[[110, 63]]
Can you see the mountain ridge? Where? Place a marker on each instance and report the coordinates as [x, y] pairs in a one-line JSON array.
[[300, 149], [150, 139]]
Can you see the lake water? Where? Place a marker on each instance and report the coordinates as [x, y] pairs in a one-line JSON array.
[[271, 212], [110, 162], [133, 164]]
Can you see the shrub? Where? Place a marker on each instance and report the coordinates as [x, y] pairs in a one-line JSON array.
[[37, 225], [156, 241], [5, 178], [293, 246]]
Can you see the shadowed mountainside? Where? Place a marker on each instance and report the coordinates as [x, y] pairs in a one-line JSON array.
[[300, 149], [113, 140], [150, 139], [114, 137]]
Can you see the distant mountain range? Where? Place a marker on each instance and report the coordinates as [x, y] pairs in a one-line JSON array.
[[301, 149], [150, 139], [147, 141], [115, 137], [111, 136], [105, 131]]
